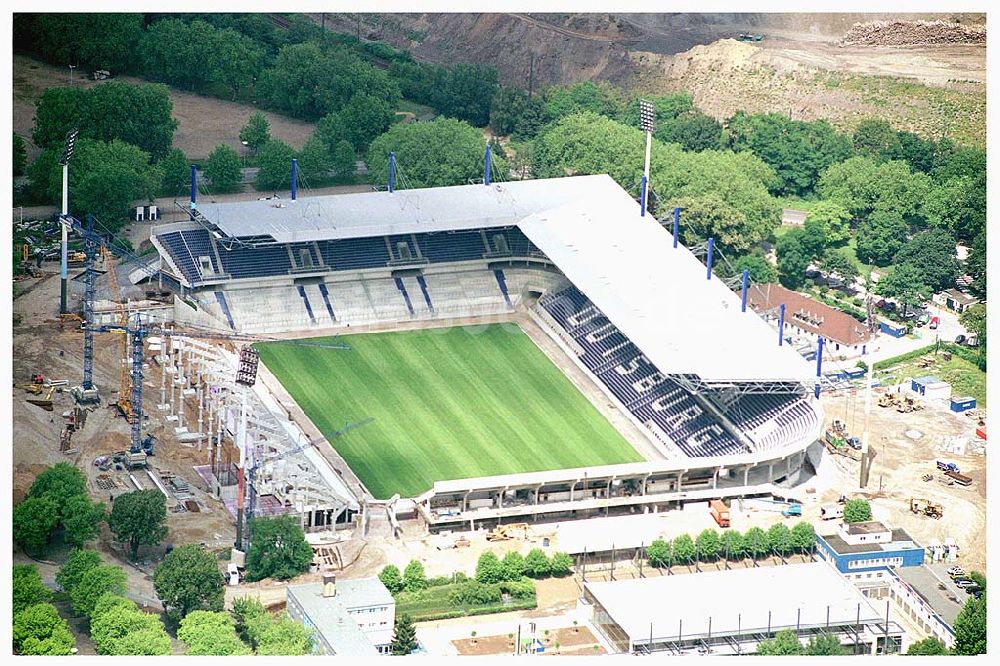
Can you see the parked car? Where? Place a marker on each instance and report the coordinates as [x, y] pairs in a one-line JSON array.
[[959, 339], [973, 590], [956, 571], [965, 582], [889, 306]]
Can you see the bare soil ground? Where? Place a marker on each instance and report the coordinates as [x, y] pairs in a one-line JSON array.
[[205, 122], [575, 641]]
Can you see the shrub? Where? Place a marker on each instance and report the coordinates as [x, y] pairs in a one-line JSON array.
[[413, 576], [488, 569], [561, 564], [537, 564], [513, 565], [519, 589], [391, 578], [474, 593]]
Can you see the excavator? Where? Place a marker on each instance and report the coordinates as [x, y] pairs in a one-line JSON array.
[[508, 532], [926, 507]]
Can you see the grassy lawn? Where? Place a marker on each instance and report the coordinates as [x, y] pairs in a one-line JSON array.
[[797, 203], [434, 603], [448, 404], [965, 378], [419, 110]]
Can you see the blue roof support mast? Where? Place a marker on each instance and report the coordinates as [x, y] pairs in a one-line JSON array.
[[486, 173], [819, 366], [781, 325], [746, 280], [677, 224], [392, 172], [295, 178], [194, 189]]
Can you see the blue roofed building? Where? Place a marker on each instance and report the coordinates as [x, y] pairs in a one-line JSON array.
[[857, 549]]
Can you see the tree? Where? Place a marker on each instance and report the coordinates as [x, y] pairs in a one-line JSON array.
[[256, 132], [784, 643], [586, 96], [779, 539], [874, 137], [793, 259], [20, 155], [139, 519], [731, 545], [696, 131], [932, 253], [278, 549], [175, 173], [136, 114], [223, 169], [825, 645], [857, 511], [929, 646], [281, 636], [93, 41], [561, 564], [82, 520], [247, 612], [60, 483], [880, 237], [840, 263], [514, 113], [27, 588], [975, 265], [391, 578], [180, 53], [38, 630], [404, 636], [658, 553], [314, 160], [862, 185], [803, 536], [513, 566], [208, 633], [77, 565], [761, 271], [436, 154], [189, 579], [905, 284], [813, 238], [834, 219], [98, 581], [275, 162], [537, 564], [364, 118], [343, 160], [973, 319], [465, 93], [755, 543], [970, 627], [331, 130], [414, 577], [683, 549], [236, 60], [710, 216], [707, 544], [118, 627], [33, 521], [488, 568]]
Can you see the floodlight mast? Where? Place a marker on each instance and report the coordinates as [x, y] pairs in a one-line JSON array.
[[64, 263], [647, 121], [246, 377]]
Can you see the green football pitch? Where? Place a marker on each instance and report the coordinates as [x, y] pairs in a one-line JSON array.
[[447, 404]]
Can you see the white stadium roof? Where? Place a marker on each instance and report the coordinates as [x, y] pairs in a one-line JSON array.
[[403, 211], [590, 227], [658, 295], [735, 600]]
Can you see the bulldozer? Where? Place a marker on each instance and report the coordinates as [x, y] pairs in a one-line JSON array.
[[907, 404], [46, 402], [888, 400], [926, 507], [508, 532]]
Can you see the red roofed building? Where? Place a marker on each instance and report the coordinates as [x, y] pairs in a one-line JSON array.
[[806, 317]]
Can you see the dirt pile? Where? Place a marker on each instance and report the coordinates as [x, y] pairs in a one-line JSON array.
[[903, 33]]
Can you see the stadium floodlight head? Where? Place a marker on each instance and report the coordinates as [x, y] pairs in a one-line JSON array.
[[69, 147], [246, 373], [647, 115]]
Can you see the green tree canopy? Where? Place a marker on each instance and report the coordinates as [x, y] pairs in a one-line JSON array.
[[695, 131], [223, 168], [90, 40], [60, 483], [731, 545], [488, 568], [708, 216], [38, 630], [835, 221], [825, 645], [33, 521], [414, 577], [404, 636], [793, 259], [189, 579], [874, 137], [343, 159], [275, 161], [812, 235], [857, 511], [761, 271], [314, 161], [136, 114], [707, 544], [779, 538], [207, 633], [78, 563], [862, 185], [803, 536], [973, 319], [248, 612], [755, 543], [391, 578], [280, 636], [256, 132], [435, 154], [96, 582], [537, 564], [586, 96], [513, 113], [840, 263], [932, 253], [278, 549], [975, 265], [82, 520], [658, 553], [119, 628], [175, 173], [561, 564], [784, 643], [139, 519], [513, 566], [27, 588], [880, 237], [928, 647], [20, 155], [684, 550], [905, 284], [236, 61], [365, 117], [970, 627]]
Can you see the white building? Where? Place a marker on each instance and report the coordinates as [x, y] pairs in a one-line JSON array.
[[350, 617]]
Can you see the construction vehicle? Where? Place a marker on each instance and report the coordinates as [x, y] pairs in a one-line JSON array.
[[887, 400], [926, 507], [838, 441], [831, 511], [792, 510], [75, 259], [960, 479], [46, 402], [508, 532], [749, 37], [34, 389], [720, 512], [947, 466], [907, 404]]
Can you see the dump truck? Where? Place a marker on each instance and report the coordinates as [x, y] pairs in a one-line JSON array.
[[926, 507], [720, 512], [947, 466], [960, 479], [831, 511]]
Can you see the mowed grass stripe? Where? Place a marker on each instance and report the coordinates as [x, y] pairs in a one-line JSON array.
[[448, 404]]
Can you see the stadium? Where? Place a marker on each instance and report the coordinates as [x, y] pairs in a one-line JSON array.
[[533, 349]]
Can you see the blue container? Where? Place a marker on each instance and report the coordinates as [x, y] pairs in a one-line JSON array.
[[892, 329], [963, 404]]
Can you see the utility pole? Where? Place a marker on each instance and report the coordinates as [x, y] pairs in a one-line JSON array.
[[64, 264]]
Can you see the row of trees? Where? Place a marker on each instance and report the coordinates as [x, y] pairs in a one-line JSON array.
[[38, 628], [57, 501], [710, 545]]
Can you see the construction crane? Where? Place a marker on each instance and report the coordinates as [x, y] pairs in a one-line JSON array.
[[125, 376], [252, 477]]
